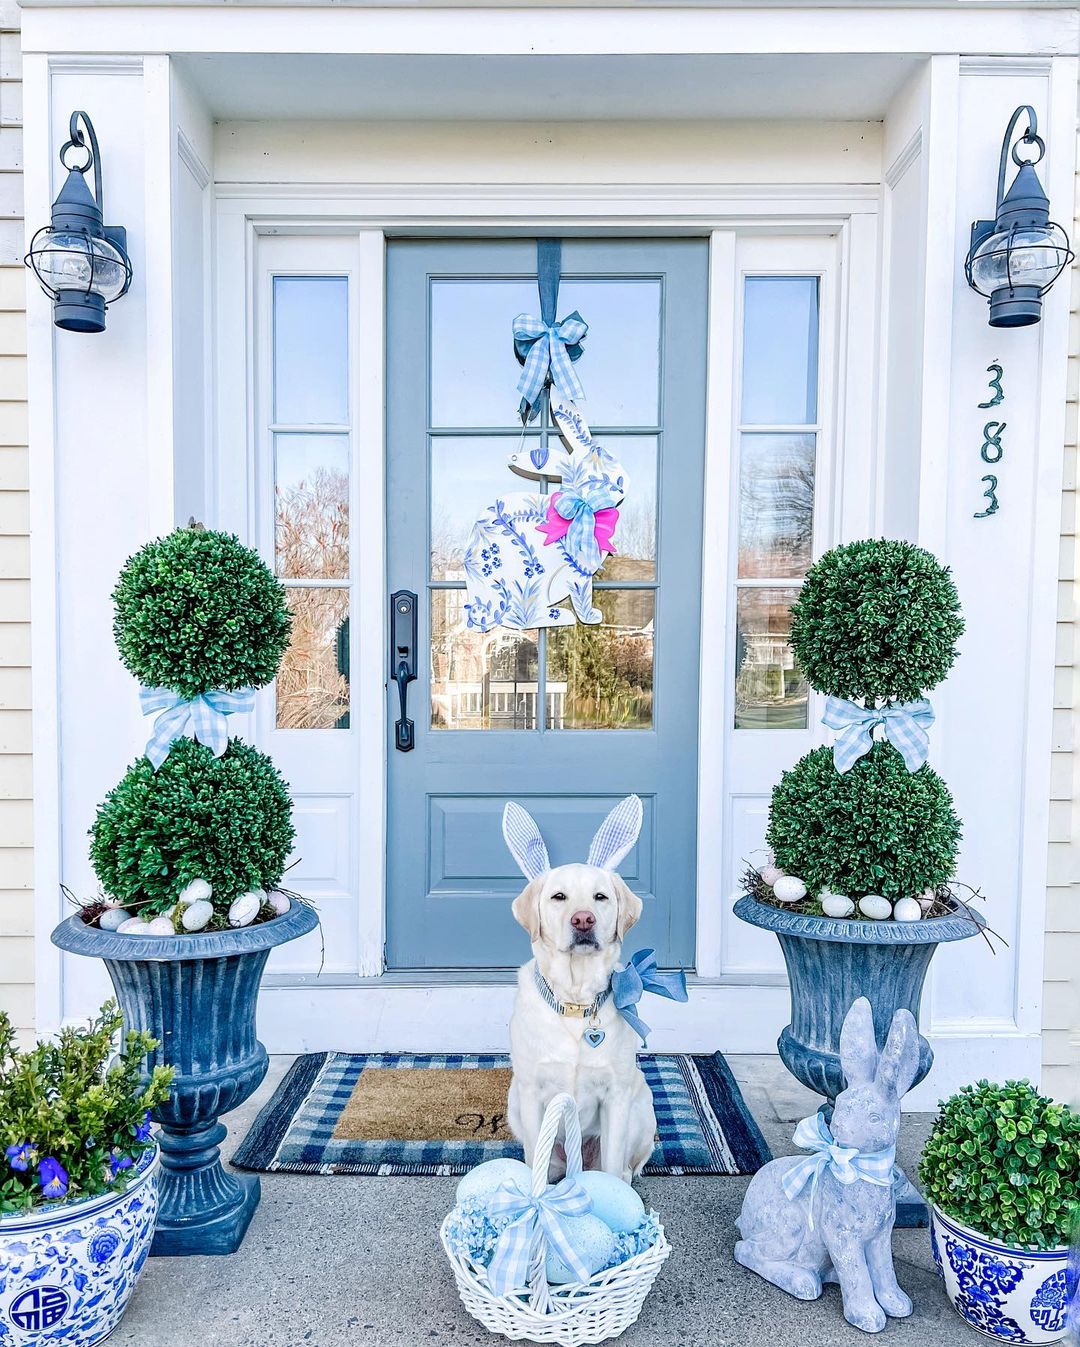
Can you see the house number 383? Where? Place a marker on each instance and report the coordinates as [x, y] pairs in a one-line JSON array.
[[992, 449]]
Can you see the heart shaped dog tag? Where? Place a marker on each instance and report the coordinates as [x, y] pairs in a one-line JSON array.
[[594, 1037]]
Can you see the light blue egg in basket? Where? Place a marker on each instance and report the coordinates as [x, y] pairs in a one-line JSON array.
[[484, 1179], [615, 1202], [590, 1239]]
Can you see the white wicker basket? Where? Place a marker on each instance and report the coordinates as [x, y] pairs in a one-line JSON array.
[[578, 1312]]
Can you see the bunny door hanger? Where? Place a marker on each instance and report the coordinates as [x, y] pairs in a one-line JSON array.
[[529, 551]]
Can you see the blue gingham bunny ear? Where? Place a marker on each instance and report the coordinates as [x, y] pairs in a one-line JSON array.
[[617, 834], [524, 840]]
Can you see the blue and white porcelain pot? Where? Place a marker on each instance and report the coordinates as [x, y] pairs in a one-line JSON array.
[[67, 1270], [1014, 1295]]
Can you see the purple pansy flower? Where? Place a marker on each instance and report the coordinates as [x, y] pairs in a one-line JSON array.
[[20, 1156], [53, 1176], [117, 1162], [142, 1132]]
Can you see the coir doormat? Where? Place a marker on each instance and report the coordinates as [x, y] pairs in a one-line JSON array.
[[442, 1113]]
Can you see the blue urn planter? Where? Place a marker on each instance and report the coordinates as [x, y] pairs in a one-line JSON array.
[[196, 994], [832, 961]]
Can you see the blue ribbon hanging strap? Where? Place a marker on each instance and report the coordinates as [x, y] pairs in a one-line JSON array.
[[642, 975], [540, 1217], [905, 725], [201, 718], [847, 1164], [547, 348]]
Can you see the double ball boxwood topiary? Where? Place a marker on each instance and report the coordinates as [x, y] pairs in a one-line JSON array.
[[876, 621], [196, 612]]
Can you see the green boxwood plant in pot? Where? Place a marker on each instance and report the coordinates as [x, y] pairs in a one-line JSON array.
[[863, 834], [78, 1180], [190, 847], [1001, 1170]]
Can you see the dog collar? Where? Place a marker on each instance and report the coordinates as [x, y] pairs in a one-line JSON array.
[[571, 1008]]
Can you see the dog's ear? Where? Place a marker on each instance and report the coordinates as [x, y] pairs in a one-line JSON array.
[[524, 840], [526, 907], [629, 906], [617, 834]]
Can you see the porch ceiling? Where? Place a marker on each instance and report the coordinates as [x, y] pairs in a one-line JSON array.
[[252, 87]]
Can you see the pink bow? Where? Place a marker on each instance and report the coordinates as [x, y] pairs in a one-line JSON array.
[[556, 527]]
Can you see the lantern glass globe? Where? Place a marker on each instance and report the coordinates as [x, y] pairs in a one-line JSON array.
[[1031, 256], [72, 260]]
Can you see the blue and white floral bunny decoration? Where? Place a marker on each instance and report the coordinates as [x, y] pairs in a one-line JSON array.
[[528, 551]]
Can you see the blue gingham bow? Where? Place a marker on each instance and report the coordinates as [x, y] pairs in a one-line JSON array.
[[547, 349], [580, 509], [541, 1216], [201, 718], [847, 1164], [905, 725], [641, 975]]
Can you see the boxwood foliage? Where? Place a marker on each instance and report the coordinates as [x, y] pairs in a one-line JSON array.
[[877, 828], [1005, 1160], [196, 610], [226, 820], [876, 620]]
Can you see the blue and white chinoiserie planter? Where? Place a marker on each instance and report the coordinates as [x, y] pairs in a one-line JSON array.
[[67, 1269], [1014, 1295]]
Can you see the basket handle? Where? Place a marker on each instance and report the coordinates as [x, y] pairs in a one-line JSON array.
[[560, 1111]]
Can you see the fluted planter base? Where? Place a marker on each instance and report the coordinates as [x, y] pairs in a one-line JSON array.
[[830, 963], [196, 994]]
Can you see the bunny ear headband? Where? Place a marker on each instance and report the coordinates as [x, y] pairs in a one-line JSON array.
[[611, 844]]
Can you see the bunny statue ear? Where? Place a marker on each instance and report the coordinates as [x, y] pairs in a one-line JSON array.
[[524, 840], [617, 834]]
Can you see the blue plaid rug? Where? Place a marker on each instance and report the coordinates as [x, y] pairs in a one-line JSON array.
[[702, 1119]]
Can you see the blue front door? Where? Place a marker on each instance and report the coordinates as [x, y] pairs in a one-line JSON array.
[[565, 720]]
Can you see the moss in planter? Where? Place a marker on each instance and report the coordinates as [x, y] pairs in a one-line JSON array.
[[1005, 1160], [197, 611], [876, 620], [225, 820], [877, 828]]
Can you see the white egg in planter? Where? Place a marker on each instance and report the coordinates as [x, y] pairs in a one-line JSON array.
[[196, 915], [770, 874], [907, 909], [837, 905], [113, 918], [133, 926], [789, 889], [875, 907], [245, 909], [161, 926], [198, 891]]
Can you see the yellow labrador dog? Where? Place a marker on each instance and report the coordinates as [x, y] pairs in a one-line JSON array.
[[566, 1035]]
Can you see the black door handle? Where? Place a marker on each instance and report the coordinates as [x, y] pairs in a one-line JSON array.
[[403, 663]]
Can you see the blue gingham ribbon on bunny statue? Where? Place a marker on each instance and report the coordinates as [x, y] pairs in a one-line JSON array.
[[905, 725], [544, 1215], [845, 1163], [201, 718]]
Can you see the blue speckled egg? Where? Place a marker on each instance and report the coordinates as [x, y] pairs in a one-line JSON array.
[[615, 1202], [484, 1179], [590, 1239]]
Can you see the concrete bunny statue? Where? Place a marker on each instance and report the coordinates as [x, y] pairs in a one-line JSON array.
[[829, 1216], [528, 551]]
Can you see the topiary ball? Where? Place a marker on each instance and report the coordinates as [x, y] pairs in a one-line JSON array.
[[226, 820], [877, 828], [196, 611], [876, 620]]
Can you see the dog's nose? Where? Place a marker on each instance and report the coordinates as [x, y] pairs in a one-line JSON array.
[[583, 921]]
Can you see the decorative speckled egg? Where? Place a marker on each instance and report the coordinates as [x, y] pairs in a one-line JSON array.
[[244, 910], [133, 926], [615, 1202], [907, 909], [198, 891], [789, 889], [113, 918], [484, 1179], [161, 926], [770, 874], [837, 905], [875, 907], [280, 902], [590, 1239], [196, 915]]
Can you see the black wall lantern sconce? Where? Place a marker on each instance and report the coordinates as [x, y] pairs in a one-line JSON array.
[[81, 263], [1016, 257]]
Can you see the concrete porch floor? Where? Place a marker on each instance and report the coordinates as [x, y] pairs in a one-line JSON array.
[[336, 1261]]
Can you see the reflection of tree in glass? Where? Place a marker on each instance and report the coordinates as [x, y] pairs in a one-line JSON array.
[[607, 669], [312, 539], [770, 690], [776, 507]]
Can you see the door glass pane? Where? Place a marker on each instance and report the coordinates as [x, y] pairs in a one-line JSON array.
[[474, 371], [770, 691], [311, 350], [311, 498], [601, 677], [780, 351], [635, 533], [468, 474], [480, 681], [313, 681], [776, 505], [620, 365]]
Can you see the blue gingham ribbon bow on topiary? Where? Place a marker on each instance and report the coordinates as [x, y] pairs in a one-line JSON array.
[[201, 718], [905, 725], [642, 975], [847, 1164], [509, 1267]]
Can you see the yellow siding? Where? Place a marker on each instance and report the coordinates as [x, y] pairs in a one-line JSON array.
[[16, 821]]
